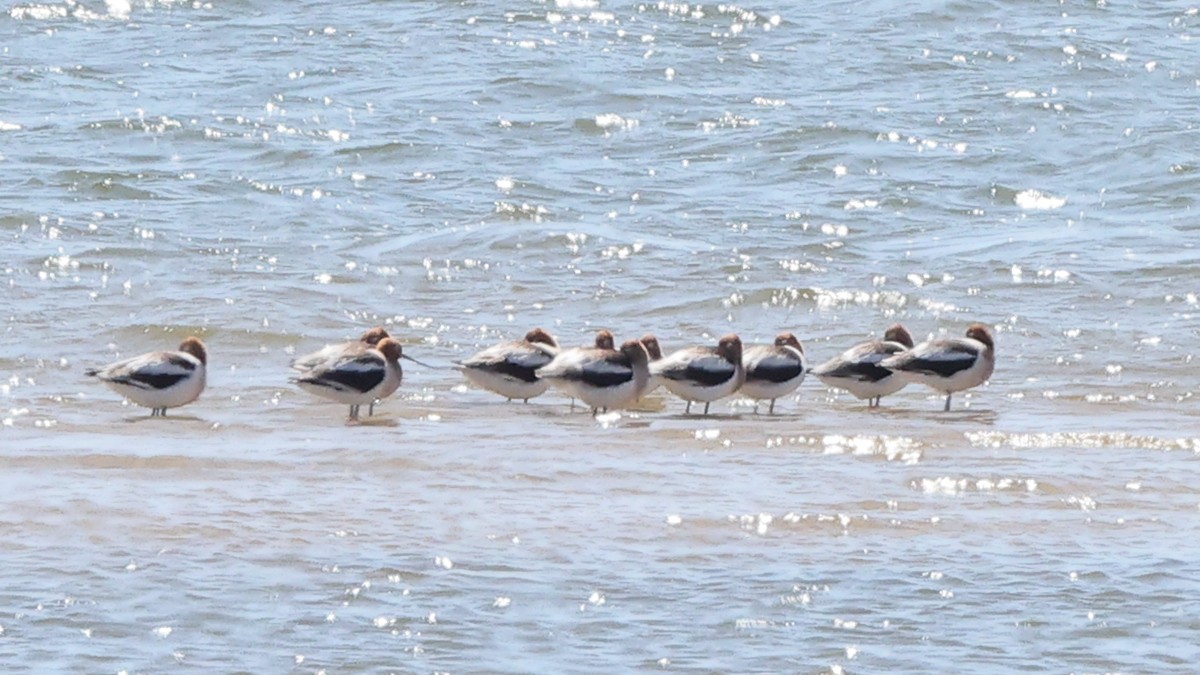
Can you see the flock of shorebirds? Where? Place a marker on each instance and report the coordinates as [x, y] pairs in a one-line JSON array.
[[602, 376]]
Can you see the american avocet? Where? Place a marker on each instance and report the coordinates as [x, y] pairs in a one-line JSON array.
[[601, 378], [337, 351], [604, 340], [703, 374], [858, 369], [159, 380], [357, 377], [948, 364], [510, 368], [773, 371]]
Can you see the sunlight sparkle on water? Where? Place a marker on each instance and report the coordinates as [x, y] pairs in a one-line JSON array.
[[1036, 200]]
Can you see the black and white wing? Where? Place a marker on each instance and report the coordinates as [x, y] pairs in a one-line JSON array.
[[352, 373], [519, 361], [701, 366], [772, 364], [942, 358], [606, 372], [152, 372], [860, 363]]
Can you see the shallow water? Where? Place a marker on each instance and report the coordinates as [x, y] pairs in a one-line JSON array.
[[272, 179]]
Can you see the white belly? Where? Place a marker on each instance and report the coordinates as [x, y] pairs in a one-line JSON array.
[[506, 386], [762, 390], [690, 391], [615, 396], [865, 389]]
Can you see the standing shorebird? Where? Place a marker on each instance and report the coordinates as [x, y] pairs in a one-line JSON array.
[[948, 365], [703, 374], [604, 340], [858, 369], [601, 378], [357, 376], [773, 371], [510, 368], [159, 380]]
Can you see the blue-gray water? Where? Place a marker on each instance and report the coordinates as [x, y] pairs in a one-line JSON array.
[[275, 176]]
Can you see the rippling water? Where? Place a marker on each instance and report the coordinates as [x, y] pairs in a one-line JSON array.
[[275, 177]]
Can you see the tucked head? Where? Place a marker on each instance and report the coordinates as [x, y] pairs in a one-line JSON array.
[[540, 336], [635, 352], [193, 346], [604, 340], [980, 332], [390, 349], [374, 335], [898, 334], [788, 340], [730, 347], [652, 349]]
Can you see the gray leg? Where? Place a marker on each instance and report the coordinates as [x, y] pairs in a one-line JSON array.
[[688, 410], [771, 410], [947, 408], [706, 408]]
